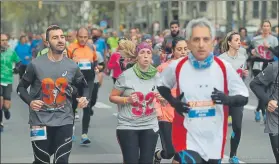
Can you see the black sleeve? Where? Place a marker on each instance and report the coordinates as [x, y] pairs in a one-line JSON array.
[[261, 82], [275, 50], [165, 92], [258, 88], [27, 79], [237, 101], [80, 82]]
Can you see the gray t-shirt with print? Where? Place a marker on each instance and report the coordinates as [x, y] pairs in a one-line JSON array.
[[238, 62], [142, 115], [51, 82], [262, 52], [269, 77]]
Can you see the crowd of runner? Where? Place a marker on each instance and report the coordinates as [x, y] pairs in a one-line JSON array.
[[184, 86]]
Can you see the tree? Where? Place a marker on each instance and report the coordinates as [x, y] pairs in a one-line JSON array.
[[229, 5]]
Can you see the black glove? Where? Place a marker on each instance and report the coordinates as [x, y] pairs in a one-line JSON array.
[[179, 106], [219, 97], [15, 70]]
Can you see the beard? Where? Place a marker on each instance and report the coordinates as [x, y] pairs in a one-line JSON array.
[[174, 34], [55, 50]]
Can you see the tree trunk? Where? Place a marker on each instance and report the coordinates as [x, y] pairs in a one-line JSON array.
[[264, 11], [229, 16], [244, 14], [239, 21]]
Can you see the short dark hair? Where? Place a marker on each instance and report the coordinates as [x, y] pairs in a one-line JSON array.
[[242, 28], [21, 37], [176, 40], [51, 28], [174, 22]]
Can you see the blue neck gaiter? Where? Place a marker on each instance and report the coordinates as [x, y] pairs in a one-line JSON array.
[[201, 64]]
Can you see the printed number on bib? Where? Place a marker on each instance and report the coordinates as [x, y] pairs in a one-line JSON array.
[[84, 65], [54, 92], [142, 106], [201, 109], [263, 52], [38, 133]]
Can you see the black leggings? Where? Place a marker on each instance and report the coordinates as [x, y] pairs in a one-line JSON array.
[[114, 80], [137, 146], [58, 143], [275, 147], [166, 139], [86, 111], [261, 105], [189, 156], [22, 69], [237, 115]]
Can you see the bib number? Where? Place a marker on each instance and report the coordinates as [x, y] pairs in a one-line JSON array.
[[202, 113], [84, 65], [38, 133]]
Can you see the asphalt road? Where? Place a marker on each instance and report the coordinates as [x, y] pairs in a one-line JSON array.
[[16, 147]]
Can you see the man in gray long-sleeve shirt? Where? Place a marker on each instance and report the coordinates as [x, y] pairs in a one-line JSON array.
[[265, 86], [51, 78]]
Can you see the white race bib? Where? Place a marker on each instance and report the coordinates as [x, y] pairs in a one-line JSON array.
[[84, 65], [3, 84], [38, 133]]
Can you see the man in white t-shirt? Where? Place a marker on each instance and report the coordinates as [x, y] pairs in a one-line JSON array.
[[207, 85]]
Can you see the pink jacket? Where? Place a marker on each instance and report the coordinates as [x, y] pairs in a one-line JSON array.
[[114, 64]]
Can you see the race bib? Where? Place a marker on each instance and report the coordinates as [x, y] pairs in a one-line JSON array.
[[84, 65], [202, 113], [200, 109], [38, 133], [4, 85]]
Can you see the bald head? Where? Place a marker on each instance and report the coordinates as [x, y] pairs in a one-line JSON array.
[[71, 36], [82, 36], [4, 41], [82, 31]]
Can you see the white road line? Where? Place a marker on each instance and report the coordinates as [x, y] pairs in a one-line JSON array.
[[250, 107], [102, 105]]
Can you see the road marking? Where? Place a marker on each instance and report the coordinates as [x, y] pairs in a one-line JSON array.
[[102, 105], [250, 107]]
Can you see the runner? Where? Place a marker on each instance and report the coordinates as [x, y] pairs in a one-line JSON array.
[[236, 56], [51, 115], [137, 129], [112, 42], [175, 32], [114, 62], [23, 50], [262, 55], [86, 59], [8, 58], [42, 48], [207, 87], [166, 113], [265, 87]]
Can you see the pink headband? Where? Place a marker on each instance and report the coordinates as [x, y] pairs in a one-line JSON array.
[[143, 45]]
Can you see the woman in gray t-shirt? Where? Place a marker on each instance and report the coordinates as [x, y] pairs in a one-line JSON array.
[[135, 92], [236, 56]]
